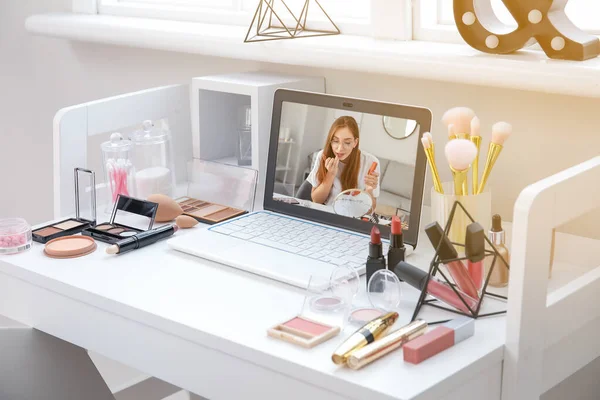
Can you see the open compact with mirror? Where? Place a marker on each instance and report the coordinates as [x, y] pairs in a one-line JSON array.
[[85, 210], [349, 163], [129, 217]]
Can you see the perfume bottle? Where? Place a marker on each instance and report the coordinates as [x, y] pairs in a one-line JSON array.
[[497, 236]]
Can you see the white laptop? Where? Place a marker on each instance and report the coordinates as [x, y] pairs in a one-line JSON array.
[[336, 166]]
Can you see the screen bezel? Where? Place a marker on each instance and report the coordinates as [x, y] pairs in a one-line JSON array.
[[423, 117]]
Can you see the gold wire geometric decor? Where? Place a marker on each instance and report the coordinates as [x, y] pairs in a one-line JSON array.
[[268, 24]]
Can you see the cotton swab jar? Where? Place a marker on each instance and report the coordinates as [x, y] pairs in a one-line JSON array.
[[153, 159], [119, 170]]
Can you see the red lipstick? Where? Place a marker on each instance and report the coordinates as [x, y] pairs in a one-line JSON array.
[[372, 169], [375, 260], [397, 251]]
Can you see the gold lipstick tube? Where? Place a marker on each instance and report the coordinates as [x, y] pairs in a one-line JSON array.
[[475, 166], [367, 334], [387, 344], [493, 153], [437, 183]]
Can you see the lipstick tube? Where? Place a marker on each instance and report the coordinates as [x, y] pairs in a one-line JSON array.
[[447, 251], [387, 344], [475, 252], [365, 335], [397, 250], [436, 288], [375, 259]]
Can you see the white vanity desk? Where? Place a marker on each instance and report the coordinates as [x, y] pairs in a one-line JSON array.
[[202, 326]]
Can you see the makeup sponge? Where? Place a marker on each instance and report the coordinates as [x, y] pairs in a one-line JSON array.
[[186, 222], [168, 209]]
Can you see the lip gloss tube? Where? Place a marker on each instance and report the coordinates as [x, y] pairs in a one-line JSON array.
[[475, 252], [457, 269], [436, 288], [439, 339]]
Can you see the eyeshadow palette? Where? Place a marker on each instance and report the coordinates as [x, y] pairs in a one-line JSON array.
[[64, 228], [303, 331], [207, 212], [72, 226], [128, 212]]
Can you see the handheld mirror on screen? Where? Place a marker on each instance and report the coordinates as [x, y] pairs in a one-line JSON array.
[[353, 203]]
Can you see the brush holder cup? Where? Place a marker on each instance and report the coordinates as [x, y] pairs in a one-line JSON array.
[[479, 206]]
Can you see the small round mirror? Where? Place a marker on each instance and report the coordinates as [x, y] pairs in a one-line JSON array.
[[399, 128], [353, 203]]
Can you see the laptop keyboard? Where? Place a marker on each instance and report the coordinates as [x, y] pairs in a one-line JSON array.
[[299, 237]]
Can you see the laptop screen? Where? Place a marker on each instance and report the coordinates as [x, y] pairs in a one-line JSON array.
[[348, 163]]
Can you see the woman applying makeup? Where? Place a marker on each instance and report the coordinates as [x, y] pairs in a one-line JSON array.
[[342, 165]]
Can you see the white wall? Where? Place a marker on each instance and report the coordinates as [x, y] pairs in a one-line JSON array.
[[39, 75]]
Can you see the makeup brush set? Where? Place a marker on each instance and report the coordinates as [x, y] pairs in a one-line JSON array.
[[463, 151]]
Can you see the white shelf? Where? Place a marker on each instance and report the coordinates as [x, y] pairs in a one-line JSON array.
[[459, 63]]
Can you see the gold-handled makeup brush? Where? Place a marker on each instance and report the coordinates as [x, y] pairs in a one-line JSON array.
[[430, 139], [476, 139], [501, 131], [460, 154], [428, 147], [461, 118]]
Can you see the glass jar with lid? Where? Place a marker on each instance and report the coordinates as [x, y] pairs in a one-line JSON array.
[[153, 159]]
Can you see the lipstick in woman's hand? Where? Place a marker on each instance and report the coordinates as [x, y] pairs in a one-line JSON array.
[[373, 168], [397, 250], [375, 260]]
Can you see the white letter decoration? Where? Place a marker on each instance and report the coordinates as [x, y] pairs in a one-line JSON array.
[[543, 20]]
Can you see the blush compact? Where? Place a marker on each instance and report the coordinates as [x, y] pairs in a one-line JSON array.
[[85, 210], [129, 217]]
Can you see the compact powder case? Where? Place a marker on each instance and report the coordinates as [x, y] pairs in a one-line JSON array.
[[207, 212], [129, 217], [75, 225], [70, 247]]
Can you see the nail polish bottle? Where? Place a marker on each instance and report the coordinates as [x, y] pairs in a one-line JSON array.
[[497, 236]]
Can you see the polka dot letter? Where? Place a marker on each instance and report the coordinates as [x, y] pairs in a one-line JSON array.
[[544, 20]]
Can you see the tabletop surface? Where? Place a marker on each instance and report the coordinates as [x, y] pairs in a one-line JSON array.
[[189, 296]]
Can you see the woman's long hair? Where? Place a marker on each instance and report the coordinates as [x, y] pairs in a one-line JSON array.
[[349, 176]]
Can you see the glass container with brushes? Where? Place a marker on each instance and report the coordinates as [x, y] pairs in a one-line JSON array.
[[153, 159], [463, 153], [119, 171]]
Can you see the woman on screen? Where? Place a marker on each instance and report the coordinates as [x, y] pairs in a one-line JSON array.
[[341, 165]]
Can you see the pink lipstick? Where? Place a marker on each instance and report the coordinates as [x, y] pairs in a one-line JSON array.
[[436, 288], [475, 252], [447, 252]]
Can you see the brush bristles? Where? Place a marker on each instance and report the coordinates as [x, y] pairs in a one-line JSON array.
[[429, 137], [460, 154], [461, 118], [475, 126], [501, 131], [426, 144], [451, 132]]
